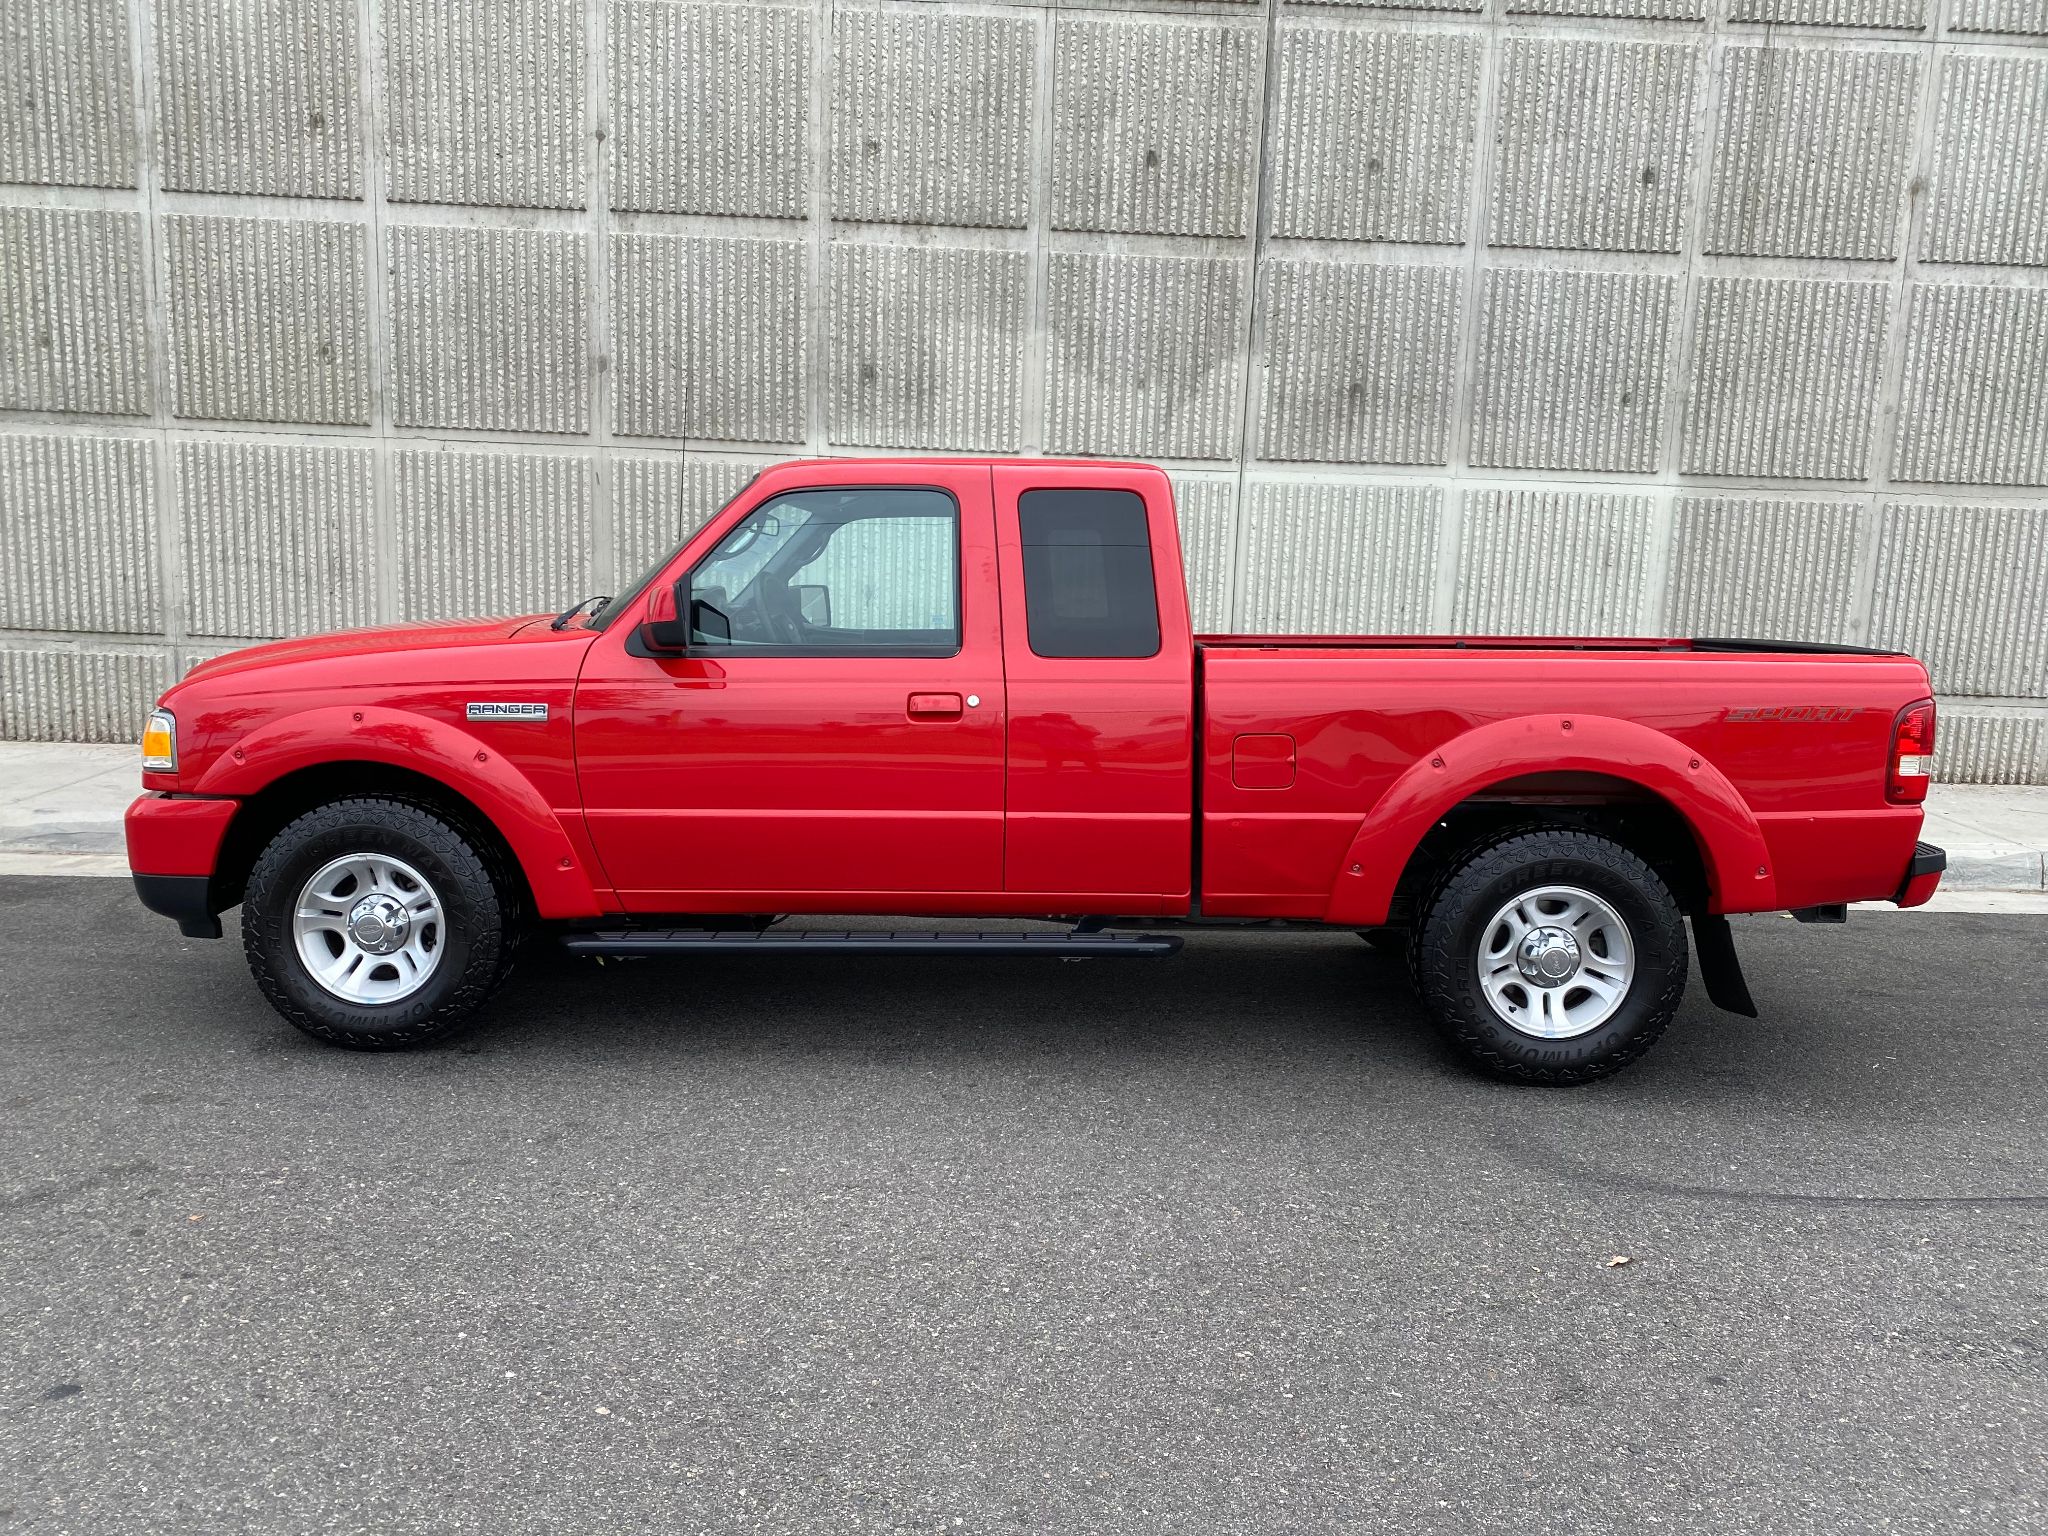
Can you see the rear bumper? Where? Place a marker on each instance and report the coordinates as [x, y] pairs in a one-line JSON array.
[[173, 843], [1922, 876]]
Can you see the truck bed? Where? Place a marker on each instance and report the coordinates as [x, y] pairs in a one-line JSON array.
[[1798, 734], [1698, 645]]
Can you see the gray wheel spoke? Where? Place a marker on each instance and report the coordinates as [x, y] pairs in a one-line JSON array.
[[386, 919], [1555, 962]]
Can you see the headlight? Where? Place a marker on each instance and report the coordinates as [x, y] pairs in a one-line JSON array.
[[160, 743]]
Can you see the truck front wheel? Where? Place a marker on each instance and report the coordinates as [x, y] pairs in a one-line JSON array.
[[1552, 956], [376, 925]]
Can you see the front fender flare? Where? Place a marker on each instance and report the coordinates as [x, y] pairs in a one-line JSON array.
[[556, 872], [1738, 863]]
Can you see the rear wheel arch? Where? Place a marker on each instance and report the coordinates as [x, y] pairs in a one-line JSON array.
[[1640, 820], [1559, 769]]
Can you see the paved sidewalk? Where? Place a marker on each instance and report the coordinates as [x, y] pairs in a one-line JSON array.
[[60, 813]]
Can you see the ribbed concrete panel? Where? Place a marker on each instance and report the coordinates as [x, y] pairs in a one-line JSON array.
[[1375, 134], [1358, 362], [1978, 747], [1812, 152], [1143, 355], [78, 535], [1397, 5], [1650, 10], [1989, 199], [488, 329], [1552, 563], [1205, 507], [259, 96], [491, 532], [1152, 125], [712, 338], [51, 694], [1339, 559], [1877, 15], [1593, 144], [710, 108], [1974, 407], [486, 102], [657, 502], [927, 347], [1571, 369], [2022, 16], [279, 539], [67, 105], [1761, 568], [931, 117], [1962, 589], [268, 320], [1784, 376], [71, 320]]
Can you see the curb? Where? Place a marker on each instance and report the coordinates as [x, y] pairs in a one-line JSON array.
[[1997, 867]]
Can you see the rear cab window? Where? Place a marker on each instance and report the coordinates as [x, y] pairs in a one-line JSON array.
[[1088, 585]]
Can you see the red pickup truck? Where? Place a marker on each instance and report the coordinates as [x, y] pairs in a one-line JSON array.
[[967, 688]]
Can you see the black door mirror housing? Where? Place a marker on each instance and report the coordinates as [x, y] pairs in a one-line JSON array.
[[663, 630]]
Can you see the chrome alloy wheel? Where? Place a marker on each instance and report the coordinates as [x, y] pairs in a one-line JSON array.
[[1556, 962], [369, 928]]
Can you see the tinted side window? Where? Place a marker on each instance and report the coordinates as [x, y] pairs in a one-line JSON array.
[[1088, 574], [835, 572]]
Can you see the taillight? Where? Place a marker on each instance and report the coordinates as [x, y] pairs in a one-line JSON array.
[[1912, 767]]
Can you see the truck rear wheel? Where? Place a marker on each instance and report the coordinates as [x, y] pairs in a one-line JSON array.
[[1551, 956], [376, 925]]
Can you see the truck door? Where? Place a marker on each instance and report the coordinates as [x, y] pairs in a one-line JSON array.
[[833, 739], [1100, 667]]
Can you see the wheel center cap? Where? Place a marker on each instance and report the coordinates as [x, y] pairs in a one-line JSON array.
[[379, 924], [1548, 956]]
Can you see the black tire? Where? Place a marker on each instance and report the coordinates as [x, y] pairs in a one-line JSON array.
[[1463, 906], [475, 943]]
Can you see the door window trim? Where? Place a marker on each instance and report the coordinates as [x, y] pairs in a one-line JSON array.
[[930, 652], [1016, 505]]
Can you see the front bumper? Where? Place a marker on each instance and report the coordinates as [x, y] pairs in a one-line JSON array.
[[1922, 876], [184, 898], [173, 844]]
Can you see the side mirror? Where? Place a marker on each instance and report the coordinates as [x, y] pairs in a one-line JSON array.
[[814, 606], [663, 630]]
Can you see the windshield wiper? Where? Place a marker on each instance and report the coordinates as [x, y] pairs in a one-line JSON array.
[[562, 619]]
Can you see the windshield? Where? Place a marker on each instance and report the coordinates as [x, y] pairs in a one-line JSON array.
[[628, 595]]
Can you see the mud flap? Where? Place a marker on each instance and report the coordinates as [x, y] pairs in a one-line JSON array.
[[1719, 969]]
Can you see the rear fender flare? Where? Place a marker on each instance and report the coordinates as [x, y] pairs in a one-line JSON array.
[[556, 872], [1738, 863]]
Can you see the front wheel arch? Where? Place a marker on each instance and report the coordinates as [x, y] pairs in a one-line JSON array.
[[274, 807]]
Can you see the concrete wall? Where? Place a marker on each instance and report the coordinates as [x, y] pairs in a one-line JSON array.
[[1583, 315]]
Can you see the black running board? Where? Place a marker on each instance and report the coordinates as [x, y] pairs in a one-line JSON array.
[[804, 941]]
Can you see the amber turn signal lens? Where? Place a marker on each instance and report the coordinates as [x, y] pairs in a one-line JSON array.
[[160, 743]]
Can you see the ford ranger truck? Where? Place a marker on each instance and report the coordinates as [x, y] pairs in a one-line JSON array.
[[968, 689]]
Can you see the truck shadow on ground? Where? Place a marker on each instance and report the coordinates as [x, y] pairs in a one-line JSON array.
[[1264, 1041], [1312, 994]]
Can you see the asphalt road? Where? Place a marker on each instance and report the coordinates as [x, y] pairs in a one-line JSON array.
[[1218, 1244]]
